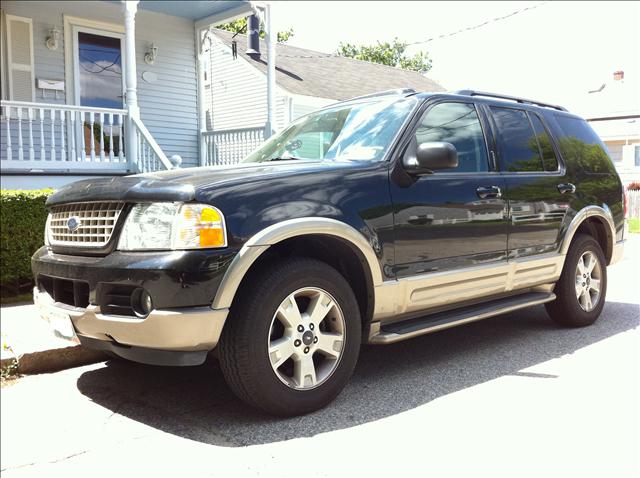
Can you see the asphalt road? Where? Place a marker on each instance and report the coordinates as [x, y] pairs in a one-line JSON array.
[[510, 396]]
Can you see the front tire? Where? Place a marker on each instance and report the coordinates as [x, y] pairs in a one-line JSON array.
[[582, 287], [292, 339]]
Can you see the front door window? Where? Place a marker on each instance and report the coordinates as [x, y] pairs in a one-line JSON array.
[[100, 70]]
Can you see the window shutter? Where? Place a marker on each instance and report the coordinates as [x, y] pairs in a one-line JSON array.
[[20, 58]]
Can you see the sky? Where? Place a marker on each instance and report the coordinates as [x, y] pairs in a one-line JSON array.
[[554, 52]]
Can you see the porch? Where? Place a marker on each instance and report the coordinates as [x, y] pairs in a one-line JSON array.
[[67, 112]]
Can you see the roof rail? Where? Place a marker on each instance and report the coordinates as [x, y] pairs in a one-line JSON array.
[[507, 97], [398, 91]]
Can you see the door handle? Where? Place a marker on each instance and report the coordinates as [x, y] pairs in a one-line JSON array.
[[566, 188], [489, 192]]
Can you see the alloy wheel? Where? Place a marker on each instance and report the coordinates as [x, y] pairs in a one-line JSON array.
[[306, 338], [588, 277]]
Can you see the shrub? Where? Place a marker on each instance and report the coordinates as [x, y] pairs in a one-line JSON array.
[[22, 222], [634, 186]]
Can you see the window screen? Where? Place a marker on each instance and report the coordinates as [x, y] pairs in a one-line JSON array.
[[458, 124], [518, 144]]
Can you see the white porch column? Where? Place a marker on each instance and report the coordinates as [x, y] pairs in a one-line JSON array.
[[131, 79], [271, 71]]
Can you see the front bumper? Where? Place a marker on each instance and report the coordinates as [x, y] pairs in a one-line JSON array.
[[184, 329], [181, 328]]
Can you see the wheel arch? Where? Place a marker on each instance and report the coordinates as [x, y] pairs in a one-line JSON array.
[[596, 221], [286, 234]]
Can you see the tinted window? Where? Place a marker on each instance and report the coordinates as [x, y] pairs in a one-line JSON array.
[[458, 124], [544, 143], [580, 146], [518, 144]]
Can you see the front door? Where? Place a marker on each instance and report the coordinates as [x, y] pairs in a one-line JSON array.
[[99, 83], [455, 218], [537, 190]]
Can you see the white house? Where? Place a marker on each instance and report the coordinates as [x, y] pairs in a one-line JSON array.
[[613, 111], [105, 87], [235, 88]]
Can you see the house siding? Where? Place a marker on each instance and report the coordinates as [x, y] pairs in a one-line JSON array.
[[237, 94], [169, 106]]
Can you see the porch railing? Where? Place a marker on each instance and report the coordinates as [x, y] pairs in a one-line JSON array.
[[150, 156], [230, 146], [38, 136]]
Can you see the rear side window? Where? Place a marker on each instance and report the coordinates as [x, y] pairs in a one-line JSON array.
[[458, 124], [519, 149], [581, 147], [548, 154]]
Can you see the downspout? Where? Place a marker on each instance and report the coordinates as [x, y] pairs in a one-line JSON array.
[[271, 71], [130, 8], [202, 120]]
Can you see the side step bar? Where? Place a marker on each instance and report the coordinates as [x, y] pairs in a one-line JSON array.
[[407, 329]]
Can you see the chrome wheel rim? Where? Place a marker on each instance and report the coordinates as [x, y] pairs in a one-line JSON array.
[[306, 338], [588, 280]]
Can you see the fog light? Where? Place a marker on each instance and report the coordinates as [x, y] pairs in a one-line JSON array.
[[141, 302]]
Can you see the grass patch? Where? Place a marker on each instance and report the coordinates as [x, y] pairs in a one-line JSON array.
[[14, 299], [634, 224]]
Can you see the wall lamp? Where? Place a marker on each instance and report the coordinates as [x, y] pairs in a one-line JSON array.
[[52, 41], [151, 55]]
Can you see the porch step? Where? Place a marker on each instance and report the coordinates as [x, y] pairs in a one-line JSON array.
[[407, 329]]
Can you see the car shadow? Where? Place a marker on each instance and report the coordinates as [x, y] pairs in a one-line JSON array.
[[195, 402]]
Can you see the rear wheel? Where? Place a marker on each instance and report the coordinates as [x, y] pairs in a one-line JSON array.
[[582, 287], [292, 340]]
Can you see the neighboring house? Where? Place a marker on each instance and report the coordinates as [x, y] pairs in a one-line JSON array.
[[103, 87], [614, 113], [235, 89]]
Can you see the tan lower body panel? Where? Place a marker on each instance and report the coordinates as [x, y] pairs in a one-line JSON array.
[[434, 290]]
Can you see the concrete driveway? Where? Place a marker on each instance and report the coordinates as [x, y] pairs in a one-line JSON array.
[[510, 396]]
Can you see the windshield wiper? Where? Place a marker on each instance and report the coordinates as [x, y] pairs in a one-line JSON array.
[[288, 158]]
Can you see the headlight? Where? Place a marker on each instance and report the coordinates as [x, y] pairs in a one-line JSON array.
[[46, 230], [166, 225]]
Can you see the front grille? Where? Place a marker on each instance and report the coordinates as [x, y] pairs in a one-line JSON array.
[[87, 224], [70, 292]]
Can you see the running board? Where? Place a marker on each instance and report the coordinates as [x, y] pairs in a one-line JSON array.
[[407, 329]]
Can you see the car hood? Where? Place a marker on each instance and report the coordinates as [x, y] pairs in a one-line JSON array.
[[183, 184]]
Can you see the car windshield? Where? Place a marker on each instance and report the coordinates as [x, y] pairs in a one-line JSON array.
[[360, 131]]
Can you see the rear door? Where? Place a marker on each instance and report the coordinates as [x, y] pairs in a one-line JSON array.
[[537, 190], [452, 218]]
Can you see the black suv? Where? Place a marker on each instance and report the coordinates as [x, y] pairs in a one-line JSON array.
[[370, 221]]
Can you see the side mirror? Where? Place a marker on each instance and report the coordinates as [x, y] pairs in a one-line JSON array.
[[430, 157]]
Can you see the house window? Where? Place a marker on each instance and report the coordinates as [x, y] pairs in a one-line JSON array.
[[637, 155], [99, 69], [19, 58]]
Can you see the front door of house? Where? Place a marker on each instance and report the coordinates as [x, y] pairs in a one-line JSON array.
[[99, 83]]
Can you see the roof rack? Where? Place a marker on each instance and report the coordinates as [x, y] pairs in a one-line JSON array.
[[398, 91], [507, 97]]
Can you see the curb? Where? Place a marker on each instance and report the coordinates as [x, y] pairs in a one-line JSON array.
[[50, 360], [54, 360]]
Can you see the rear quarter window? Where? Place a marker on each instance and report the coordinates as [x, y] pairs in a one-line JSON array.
[[581, 147]]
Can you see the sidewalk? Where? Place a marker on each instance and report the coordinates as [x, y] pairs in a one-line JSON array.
[[29, 345]]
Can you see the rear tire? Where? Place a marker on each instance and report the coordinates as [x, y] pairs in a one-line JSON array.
[[582, 287], [292, 339]]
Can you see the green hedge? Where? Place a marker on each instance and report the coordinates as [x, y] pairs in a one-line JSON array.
[[22, 221]]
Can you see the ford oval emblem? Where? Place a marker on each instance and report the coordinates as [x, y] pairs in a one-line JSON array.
[[73, 223]]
